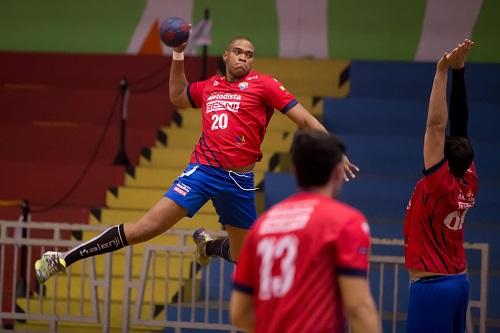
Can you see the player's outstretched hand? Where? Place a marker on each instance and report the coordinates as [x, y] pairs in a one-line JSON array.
[[457, 56], [444, 63], [349, 169]]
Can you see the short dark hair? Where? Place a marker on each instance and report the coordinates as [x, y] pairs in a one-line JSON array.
[[314, 155], [459, 153], [230, 44]]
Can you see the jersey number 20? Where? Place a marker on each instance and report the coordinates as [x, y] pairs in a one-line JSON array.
[[270, 249], [219, 121]]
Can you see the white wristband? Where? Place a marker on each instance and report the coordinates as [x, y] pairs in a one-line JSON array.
[[177, 55]]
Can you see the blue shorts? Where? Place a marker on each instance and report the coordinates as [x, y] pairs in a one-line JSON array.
[[438, 304], [232, 194]]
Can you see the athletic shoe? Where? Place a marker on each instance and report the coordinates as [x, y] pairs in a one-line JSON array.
[[200, 239], [48, 265]]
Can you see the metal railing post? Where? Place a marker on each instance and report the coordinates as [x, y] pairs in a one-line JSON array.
[[21, 285], [484, 287], [121, 157], [106, 318], [209, 313], [126, 290]]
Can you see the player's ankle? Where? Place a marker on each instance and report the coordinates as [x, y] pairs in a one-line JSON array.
[[218, 247]]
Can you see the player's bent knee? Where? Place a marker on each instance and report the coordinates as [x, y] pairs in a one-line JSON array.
[[140, 231], [156, 221]]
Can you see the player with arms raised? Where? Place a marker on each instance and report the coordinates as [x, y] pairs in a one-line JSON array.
[[236, 109], [304, 262], [433, 227]]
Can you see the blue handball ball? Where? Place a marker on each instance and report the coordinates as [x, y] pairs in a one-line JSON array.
[[174, 31]]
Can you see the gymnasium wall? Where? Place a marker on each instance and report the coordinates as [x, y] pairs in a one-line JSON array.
[[362, 29]]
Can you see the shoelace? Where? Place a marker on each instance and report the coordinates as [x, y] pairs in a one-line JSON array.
[[53, 264]]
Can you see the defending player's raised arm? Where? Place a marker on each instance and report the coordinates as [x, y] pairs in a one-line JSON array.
[[437, 116], [458, 110], [177, 82]]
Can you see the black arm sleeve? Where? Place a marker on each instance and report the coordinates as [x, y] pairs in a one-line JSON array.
[[459, 111]]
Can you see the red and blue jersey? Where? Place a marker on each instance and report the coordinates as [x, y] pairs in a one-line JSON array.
[[291, 258], [235, 116], [433, 228]]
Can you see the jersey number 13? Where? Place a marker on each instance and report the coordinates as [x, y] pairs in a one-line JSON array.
[[270, 249]]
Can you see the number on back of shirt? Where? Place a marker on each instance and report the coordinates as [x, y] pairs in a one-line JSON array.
[[455, 220], [219, 121], [272, 249]]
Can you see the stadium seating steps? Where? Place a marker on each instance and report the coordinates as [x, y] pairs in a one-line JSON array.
[[55, 119]]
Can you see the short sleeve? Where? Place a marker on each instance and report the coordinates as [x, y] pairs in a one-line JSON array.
[[436, 168], [277, 96], [195, 93], [353, 247], [244, 275], [438, 177]]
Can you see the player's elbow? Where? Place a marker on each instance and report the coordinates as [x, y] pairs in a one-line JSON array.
[[310, 122], [175, 98], [436, 124]]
